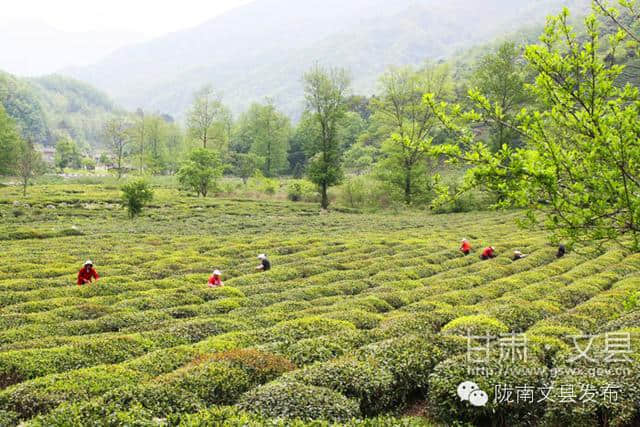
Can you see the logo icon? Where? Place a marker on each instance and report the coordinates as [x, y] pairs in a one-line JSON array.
[[470, 392]]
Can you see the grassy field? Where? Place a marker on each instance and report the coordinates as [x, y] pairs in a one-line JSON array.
[[363, 320]]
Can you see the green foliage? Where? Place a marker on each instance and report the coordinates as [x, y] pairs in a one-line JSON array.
[[287, 399], [266, 132], [500, 76], [632, 302], [300, 190], [135, 195], [411, 125], [208, 121], [9, 140], [201, 171], [324, 92], [67, 154], [578, 166]]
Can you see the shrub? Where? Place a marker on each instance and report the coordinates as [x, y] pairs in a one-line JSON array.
[[302, 190], [475, 325], [214, 382], [261, 367], [621, 411], [411, 359], [288, 399], [40, 395], [360, 318], [366, 380], [135, 195], [445, 405], [324, 348]]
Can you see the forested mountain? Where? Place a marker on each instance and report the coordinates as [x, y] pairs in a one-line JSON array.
[[263, 48], [48, 108]]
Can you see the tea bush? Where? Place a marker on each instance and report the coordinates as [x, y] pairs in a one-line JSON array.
[[287, 399], [362, 319]]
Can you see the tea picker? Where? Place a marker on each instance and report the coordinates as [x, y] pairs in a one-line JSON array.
[[488, 253], [265, 265], [87, 274], [215, 281]]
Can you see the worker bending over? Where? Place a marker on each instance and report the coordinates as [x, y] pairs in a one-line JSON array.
[[87, 274], [215, 281], [265, 265]]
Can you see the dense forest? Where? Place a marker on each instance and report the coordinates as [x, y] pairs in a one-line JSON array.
[[53, 107]]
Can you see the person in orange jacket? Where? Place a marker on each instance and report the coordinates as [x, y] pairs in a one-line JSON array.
[[87, 274], [465, 248], [215, 280], [489, 252]]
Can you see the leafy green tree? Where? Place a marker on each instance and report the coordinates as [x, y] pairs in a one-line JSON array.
[[135, 195], [200, 172], [500, 77], [578, 172], [411, 126], [157, 130], [207, 114], [117, 136], [325, 91], [9, 139], [266, 132], [246, 164], [29, 163], [359, 159], [138, 136], [67, 154], [306, 132]]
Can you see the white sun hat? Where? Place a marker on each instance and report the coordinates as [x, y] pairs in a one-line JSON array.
[[464, 240], [517, 252], [88, 262], [262, 256], [216, 272]]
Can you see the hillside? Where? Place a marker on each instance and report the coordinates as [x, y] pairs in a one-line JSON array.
[[49, 107], [263, 48], [360, 315]]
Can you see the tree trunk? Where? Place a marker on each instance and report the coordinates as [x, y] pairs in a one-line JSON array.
[[407, 187], [325, 200]]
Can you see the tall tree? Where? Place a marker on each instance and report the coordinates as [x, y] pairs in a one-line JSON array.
[[200, 172], [9, 139], [205, 112], [67, 154], [266, 132], [325, 91], [500, 76], [410, 125], [116, 135], [29, 164], [139, 136], [579, 171], [156, 142]]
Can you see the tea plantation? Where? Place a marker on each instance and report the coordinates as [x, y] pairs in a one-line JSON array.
[[363, 320]]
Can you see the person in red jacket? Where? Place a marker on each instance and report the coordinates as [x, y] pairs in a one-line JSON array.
[[466, 247], [489, 252], [87, 274], [215, 281]]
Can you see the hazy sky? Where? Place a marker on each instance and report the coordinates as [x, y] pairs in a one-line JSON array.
[[149, 18]]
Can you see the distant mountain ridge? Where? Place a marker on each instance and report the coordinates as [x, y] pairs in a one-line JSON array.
[[262, 48]]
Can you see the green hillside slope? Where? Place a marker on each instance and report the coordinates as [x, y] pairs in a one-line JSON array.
[[47, 108]]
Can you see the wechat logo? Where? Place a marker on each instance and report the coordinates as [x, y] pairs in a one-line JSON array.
[[470, 392]]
